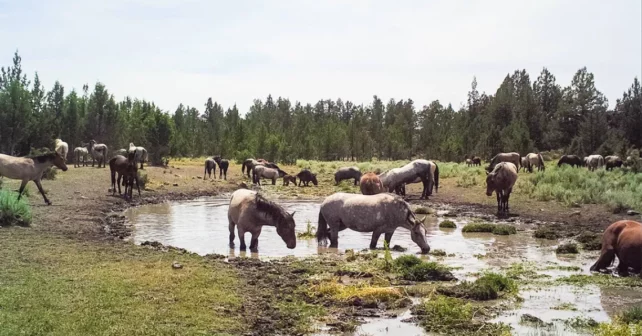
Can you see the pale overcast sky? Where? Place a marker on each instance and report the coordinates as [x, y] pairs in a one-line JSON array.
[[175, 52]]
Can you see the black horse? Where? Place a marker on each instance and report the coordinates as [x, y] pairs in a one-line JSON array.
[[572, 160], [209, 166], [222, 166]]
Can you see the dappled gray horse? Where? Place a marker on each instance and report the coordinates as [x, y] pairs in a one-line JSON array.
[[249, 212], [413, 172], [261, 171], [346, 173], [30, 169], [80, 153], [379, 214]]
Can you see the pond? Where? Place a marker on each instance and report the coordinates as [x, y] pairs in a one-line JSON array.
[[201, 226]]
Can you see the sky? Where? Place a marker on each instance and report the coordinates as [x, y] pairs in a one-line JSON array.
[[174, 52]]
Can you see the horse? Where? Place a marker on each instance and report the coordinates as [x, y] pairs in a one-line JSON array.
[[413, 172], [249, 212], [98, 153], [80, 152], [434, 169], [476, 161], [127, 170], [209, 166], [121, 151], [571, 160], [613, 161], [501, 180], [533, 160], [261, 171], [380, 213], [595, 161], [524, 163], [223, 164], [61, 148], [30, 169], [370, 184], [141, 154], [305, 176], [289, 178], [249, 165], [469, 162], [512, 157], [347, 173], [622, 239]]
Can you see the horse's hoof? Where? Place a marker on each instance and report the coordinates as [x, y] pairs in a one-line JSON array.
[[48, 203]]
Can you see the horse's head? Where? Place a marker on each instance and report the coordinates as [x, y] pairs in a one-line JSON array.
[[59, 162], [418, 233], [490, 183], [285, 229], [314, 179]]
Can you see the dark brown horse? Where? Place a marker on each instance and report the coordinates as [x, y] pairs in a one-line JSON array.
[[127, 170], [306, 176], [571, 160], [209, 166], [223, 164], [346, 173], [289, 178], [476, 161], [622, 239]]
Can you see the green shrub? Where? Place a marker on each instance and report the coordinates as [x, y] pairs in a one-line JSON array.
[[504, 229], [467, 181], [568, 248], [407, 261], [478, 227], [632, 315], [447, 224], [309, 233], [12, 210], [438, 253]]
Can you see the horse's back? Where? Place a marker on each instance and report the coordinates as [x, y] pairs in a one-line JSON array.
[[240, 199]]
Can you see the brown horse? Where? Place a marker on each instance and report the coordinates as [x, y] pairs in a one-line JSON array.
[[249, 212], [289, 178], [30, 169], [305, 177], [127, 169], [622, 239], [512, 157], [370, 184], [476, 161], [501, 180]]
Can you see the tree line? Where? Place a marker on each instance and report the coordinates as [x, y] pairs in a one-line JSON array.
[[522, 116]]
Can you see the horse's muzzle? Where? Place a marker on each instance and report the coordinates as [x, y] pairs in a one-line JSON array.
[[425, 251], [291, 246], [489, 193]]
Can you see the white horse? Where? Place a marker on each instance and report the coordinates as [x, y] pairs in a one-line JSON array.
[[98, 153], [141, 154], [534, 160], [419, 169], [30, 169], [80, 152], [62, 148], [595, 161]]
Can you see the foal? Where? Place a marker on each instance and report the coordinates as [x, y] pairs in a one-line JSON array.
[[127, 171], [30, 169]]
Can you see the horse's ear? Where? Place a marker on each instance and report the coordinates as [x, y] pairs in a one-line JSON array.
[[292, 214]]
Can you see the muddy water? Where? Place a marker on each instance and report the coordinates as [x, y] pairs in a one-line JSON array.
[[201, 226]]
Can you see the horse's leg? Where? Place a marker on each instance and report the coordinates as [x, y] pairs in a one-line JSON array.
[[241, 233], [120, 176], [499, 201], [424, 193], [375, 238], [22, 187], [37, 182], [508, 198], [231, 226], [388, 237], [274, 181], [225, 174], [254, 243]]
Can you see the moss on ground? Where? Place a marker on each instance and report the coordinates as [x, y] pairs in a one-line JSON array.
[[414, 269], [567, 248], [447, 224], [498, 229], [489, 286]]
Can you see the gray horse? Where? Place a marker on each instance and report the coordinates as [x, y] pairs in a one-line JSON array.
[[249, 166], [261, 171], [249, 212], [501, 180], [347, 173], [415, 171], [379, 214], [210, 165]]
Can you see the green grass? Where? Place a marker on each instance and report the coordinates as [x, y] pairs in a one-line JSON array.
[[567, 248], [309, 233], [498, 229], [487, 287], [565, 306], [414, 269], [438, 253], [590, 241], [631, 315], [143, 178], [424, 211], [12, 210], [447, 224], [504, 230], [601, 280]]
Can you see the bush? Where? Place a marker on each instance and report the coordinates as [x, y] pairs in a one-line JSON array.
[[12, 210], [568, 248], [447, 224], [407, 261]]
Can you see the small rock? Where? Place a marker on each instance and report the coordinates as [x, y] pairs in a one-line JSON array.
[[175, 184], [449, 214], [576, 213], [83, 197], [632, 213], [176, 265], [398, 248], [176, 175], [198, 177]]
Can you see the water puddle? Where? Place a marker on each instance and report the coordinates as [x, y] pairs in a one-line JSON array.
[[201, 226]]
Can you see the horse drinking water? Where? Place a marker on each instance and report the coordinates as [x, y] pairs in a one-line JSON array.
[[30, 169], [379, 214], [249, 212]]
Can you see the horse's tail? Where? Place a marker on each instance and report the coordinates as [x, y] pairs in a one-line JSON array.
[[541, 161], [322, 229], [243, 168], [436, 178], [113, 175]]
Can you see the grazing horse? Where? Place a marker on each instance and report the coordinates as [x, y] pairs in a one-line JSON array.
[[209, 166], [434, 170], [127, 170], [98, 153], [512, 157], [413, 172], [613, 161], [469, 162], [289, 178], [370, 184], [223, 164], [249, 212], [261, 171], [593, 162], [80, 153], [622, 239], [524, 163], [347, 173], [249, 165], [30, 169], [305, 176], [476, 161], [501, 180], [533, 160], [62, 148], [141, 154], [572, 160], [379, 214]]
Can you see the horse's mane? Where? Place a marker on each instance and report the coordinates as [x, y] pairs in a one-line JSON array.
[[42, 158], [270, 209]]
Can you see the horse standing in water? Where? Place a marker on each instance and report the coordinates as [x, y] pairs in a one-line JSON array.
[[501, 180], [370, 184], [223, 164], [249, 212], [30, 169], [379, 214], [209, 166]]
